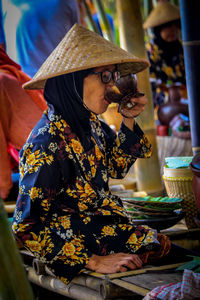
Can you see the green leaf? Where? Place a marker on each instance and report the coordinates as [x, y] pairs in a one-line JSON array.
[[190, 266], [196, 258], [197, 270]]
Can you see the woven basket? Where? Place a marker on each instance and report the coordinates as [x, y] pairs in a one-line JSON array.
[[178, 183]]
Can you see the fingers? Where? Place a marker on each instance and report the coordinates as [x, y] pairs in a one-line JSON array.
[[132, 113], [139, 105], [130, 261], [141, 100], [134, 260]]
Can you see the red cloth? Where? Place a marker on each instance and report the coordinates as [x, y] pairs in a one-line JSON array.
[[20, 111], [188, 289]]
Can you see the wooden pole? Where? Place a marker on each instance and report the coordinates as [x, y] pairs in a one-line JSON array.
[[90, 18], [148, 6], [104, 22], [13, 280], [132, 39], [191, 44]]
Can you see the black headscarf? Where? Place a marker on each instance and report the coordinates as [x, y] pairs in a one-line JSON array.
[[65, 92], [170, 49]]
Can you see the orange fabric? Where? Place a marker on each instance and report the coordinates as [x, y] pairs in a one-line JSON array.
[[20, 111], [7, 65]]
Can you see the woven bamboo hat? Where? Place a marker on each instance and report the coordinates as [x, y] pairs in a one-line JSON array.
[[82, 49], [164, 12]]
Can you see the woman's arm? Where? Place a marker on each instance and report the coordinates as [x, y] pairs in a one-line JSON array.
[[130, 144]]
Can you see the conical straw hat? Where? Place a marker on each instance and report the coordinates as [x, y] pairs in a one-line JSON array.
[[81, 49], [164, 12]]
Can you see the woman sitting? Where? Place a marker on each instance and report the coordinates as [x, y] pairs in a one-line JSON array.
[[65, 213]]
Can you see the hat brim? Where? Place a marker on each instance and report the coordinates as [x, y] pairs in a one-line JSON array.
[[83, 49], [164, 12]]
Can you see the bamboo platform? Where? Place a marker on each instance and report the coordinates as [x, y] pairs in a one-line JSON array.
[[95, 286]]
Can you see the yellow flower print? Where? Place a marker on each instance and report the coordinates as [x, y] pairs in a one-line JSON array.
[[117, 141], [93, 117], [145, 141], [67, 148], [116, 206], [49, 159], [132, 239], [108, 230], [20, 188], [82, 206], [19, 227], [155, 54], [121, 161], [63, 279], [61, 136], [98, 153], [35, 192], [120, 213], [68, 249], [27, 151], [105, 212], [87, 220], [91, 160], [37, 159], [178, 71], [64, 123], [93, 171], [51, 130], [45, 204], [85, 191], [31, 159], [66, 223], [104, 175], [151, 233], [113, 173], [140, 239], [105, 202], [21, 170], [146, 227], [14, 226], [148, 239], [168, 70], [58, 125], [34, 246], [148, 46], [77, 147], [71, 252], [125, 226], [71, 193]]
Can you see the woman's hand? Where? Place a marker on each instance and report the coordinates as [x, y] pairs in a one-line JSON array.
[[138, 107], [130, 114], [114, 263]]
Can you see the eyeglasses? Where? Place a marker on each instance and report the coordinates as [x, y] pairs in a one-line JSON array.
[[107, 75]]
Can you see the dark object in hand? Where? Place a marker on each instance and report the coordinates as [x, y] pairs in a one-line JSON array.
[[122, 91]]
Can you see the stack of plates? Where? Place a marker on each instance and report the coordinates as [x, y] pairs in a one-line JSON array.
[[152, 207]]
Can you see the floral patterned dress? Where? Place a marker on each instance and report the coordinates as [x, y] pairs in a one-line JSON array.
[[167, 65], [65, 211]]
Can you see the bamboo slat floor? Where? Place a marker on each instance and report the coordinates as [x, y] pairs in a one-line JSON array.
[[95, 286]]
